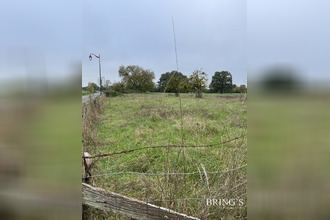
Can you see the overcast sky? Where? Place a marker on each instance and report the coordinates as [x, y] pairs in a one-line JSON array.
[[50, 37], [210, 35], [40, 39], [292, 34]]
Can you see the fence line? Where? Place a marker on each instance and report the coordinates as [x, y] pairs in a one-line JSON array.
[[165, 146], [165, 174]]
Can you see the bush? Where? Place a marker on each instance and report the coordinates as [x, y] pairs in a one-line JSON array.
[[118, 87], [112, 93]]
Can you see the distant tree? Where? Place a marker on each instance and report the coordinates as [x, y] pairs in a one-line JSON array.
[[137, 78], [222, 82], [198, 82], [155, 88], [185, 85], [243, 88], [281, 79], [91, 87], [237, 89], [171, 81], [118, 87], [240, 89]]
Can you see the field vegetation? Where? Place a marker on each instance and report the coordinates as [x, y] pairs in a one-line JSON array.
[[85, 92], [133, 121]]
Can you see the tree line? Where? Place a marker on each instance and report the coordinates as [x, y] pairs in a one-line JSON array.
[[136, 79]]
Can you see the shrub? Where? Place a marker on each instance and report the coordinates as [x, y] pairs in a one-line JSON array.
[[118, 87], [112, 93]]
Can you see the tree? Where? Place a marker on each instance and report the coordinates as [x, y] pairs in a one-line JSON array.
[[185, 85], [243, 88], [136, 78], [237, 89], [171, 82], [198, 82], [91, 87], [240, 89], [118, 87], [234, 86], [222, 82], [281, 79]]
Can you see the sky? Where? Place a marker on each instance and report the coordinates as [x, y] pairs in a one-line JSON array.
[[40, 39], [291, 34], [209, 34], [53, 38]]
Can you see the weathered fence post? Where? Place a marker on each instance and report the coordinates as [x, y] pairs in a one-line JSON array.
[[130, 207], [87, 173]]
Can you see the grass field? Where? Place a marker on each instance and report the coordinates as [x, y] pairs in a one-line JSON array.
[[143, 120], [85, 92]]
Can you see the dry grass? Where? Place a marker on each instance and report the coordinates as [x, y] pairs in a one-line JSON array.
[[140, 120], [90, 117]]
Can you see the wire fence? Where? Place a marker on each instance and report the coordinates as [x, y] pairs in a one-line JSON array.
[[166, 146], [174, 199], [164, 174], [178, 185]]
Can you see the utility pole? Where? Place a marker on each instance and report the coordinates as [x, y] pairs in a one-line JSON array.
[[99, 57]]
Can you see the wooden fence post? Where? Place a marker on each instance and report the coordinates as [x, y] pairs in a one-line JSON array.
[[133, 208], [86, 212]]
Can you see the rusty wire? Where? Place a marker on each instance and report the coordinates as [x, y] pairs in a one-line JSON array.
[[165, 146]]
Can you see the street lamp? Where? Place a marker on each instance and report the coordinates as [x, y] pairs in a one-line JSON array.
[[99, 57]]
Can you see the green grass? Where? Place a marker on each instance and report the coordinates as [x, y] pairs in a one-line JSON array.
[[86, 92], [143, 120]]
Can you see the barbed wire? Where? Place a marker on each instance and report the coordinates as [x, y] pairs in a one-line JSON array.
[[165, 146], [165, 174]]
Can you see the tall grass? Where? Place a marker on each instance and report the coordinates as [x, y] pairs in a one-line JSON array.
[[142, 120], [90, 118]]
